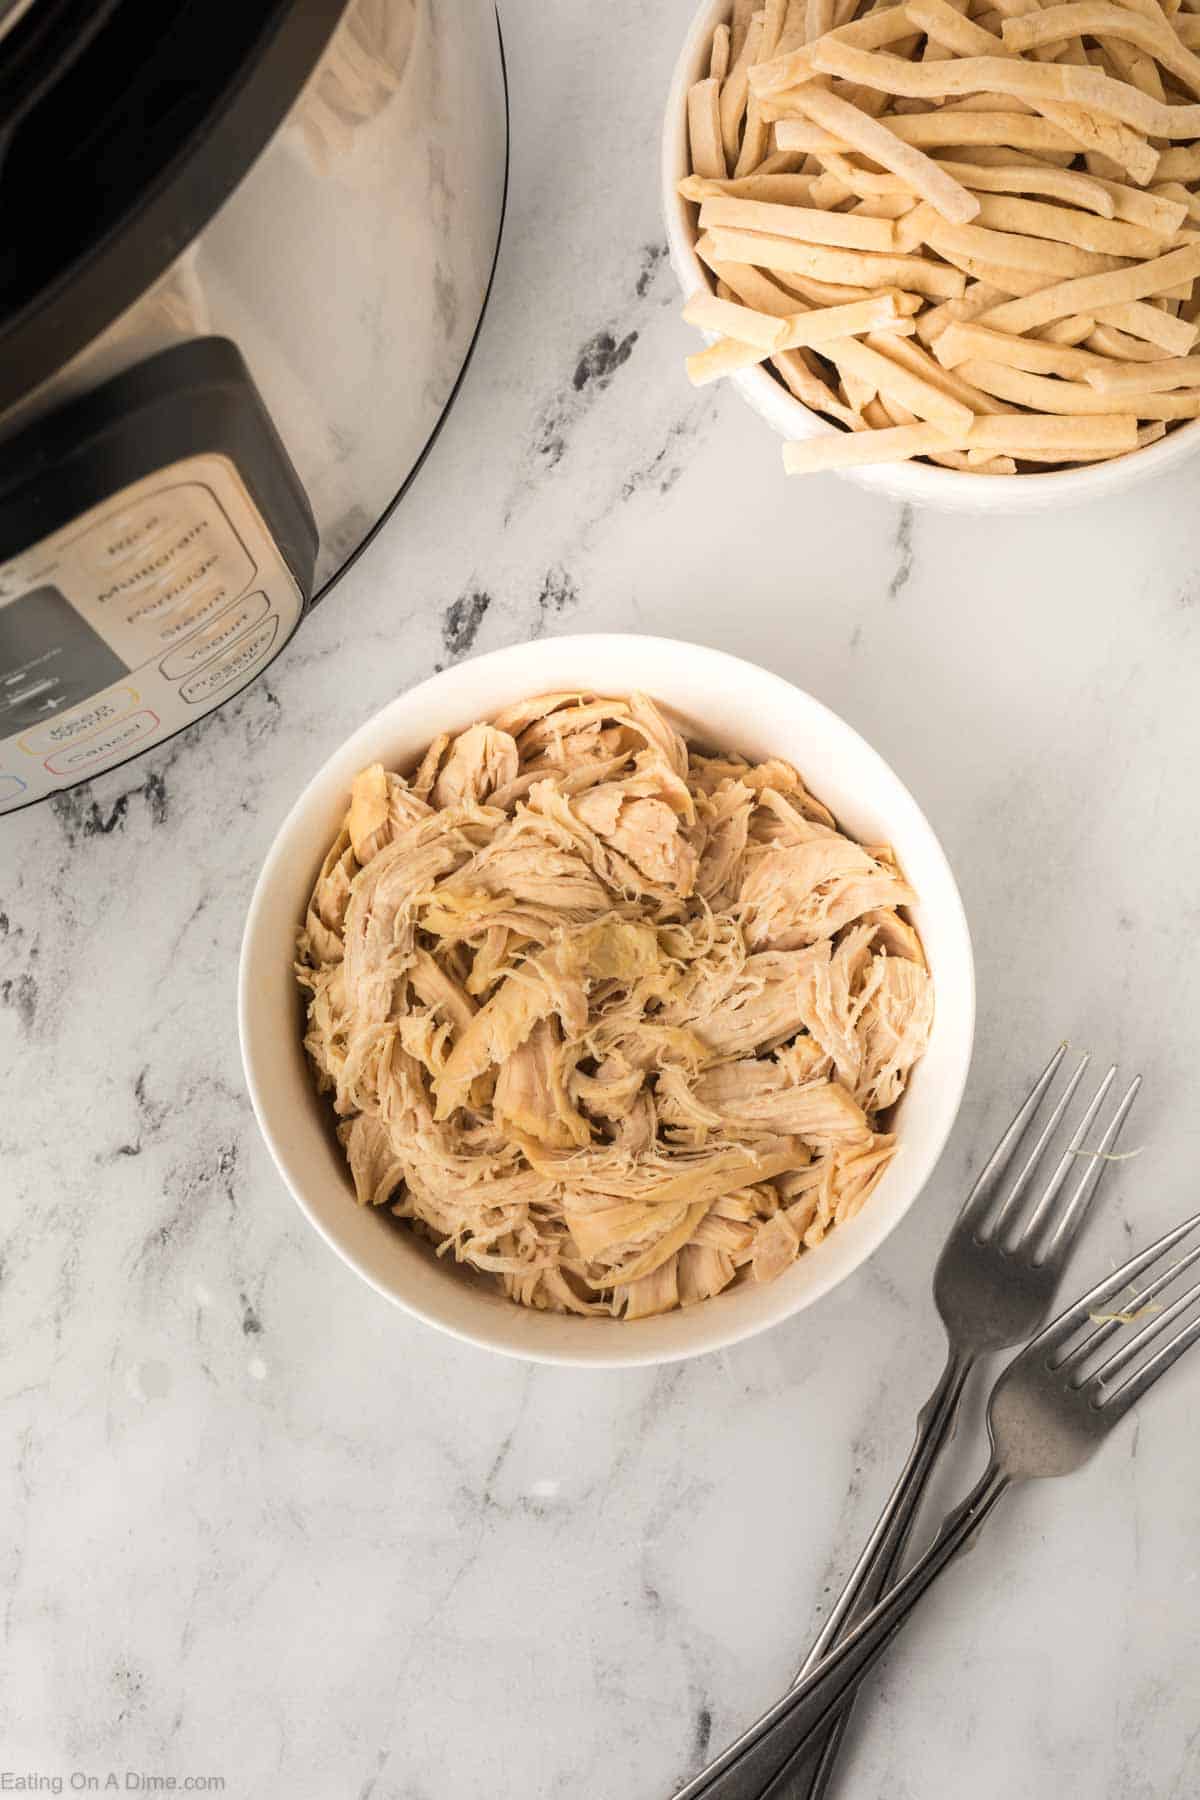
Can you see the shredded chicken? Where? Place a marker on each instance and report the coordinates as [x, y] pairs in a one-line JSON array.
[[614, 1020]]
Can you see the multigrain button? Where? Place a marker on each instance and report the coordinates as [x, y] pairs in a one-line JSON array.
[[187, 560], [118, 741], [144, 575], [187, 657], [238, 662]]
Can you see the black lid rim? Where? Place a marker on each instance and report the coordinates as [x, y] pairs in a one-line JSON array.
[[80, 304], [38, 50]]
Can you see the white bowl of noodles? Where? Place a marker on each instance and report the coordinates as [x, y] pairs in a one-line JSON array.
[[915, 482], [723, 704]]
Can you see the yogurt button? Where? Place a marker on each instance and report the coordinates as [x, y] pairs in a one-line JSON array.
[[237, 662], [187, 657]]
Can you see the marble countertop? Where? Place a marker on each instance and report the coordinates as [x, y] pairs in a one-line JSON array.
[[258, 1524]]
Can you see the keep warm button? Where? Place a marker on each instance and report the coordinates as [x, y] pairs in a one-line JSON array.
[[83, 722], [203, 645], [118, 742], [237, 663]]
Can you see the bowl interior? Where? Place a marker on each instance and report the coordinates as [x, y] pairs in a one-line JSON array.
[[920, 484], [718, 699]]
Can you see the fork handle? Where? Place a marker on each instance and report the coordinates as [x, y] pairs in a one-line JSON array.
[[754, 1768], [885, 1546], [876, 1568], [879, 1559]]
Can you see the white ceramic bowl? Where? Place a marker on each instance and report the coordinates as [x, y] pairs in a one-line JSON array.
[[728, 703], [920, 484]]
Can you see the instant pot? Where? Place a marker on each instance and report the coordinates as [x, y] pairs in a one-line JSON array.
[[244, 257]]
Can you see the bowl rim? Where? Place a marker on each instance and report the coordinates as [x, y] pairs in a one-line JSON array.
[[283, 856], [922, 483]]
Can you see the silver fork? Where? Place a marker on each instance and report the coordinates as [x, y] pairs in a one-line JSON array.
[[1049, 1412], [994, 1282]]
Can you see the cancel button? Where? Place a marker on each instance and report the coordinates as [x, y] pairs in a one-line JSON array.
[[203, 645]]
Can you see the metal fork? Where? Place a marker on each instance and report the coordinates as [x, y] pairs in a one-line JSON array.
[[1048, 1414], [993, 1285]]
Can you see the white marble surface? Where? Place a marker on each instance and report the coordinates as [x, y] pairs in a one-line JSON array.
[[255, 1522]]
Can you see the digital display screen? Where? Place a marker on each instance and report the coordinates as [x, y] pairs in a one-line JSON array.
[[50, 659]]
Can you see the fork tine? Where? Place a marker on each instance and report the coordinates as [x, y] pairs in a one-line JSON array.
[[1074, 1212], [1109, 1327], [1137, 1341], [1060, 1330], [1029, 1168], [988, 1180], [1119, 1400]]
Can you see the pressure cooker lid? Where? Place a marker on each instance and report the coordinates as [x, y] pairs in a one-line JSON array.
[[123, 127]]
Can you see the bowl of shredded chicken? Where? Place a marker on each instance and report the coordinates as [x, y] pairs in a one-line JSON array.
[[610, 1017]]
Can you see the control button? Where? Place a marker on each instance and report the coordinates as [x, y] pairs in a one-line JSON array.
[[238, 661], [174, 587], [69, 727], [116, 539], [187, 657], [10, 787], [116, 742], [198, 608], [156, 570]]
